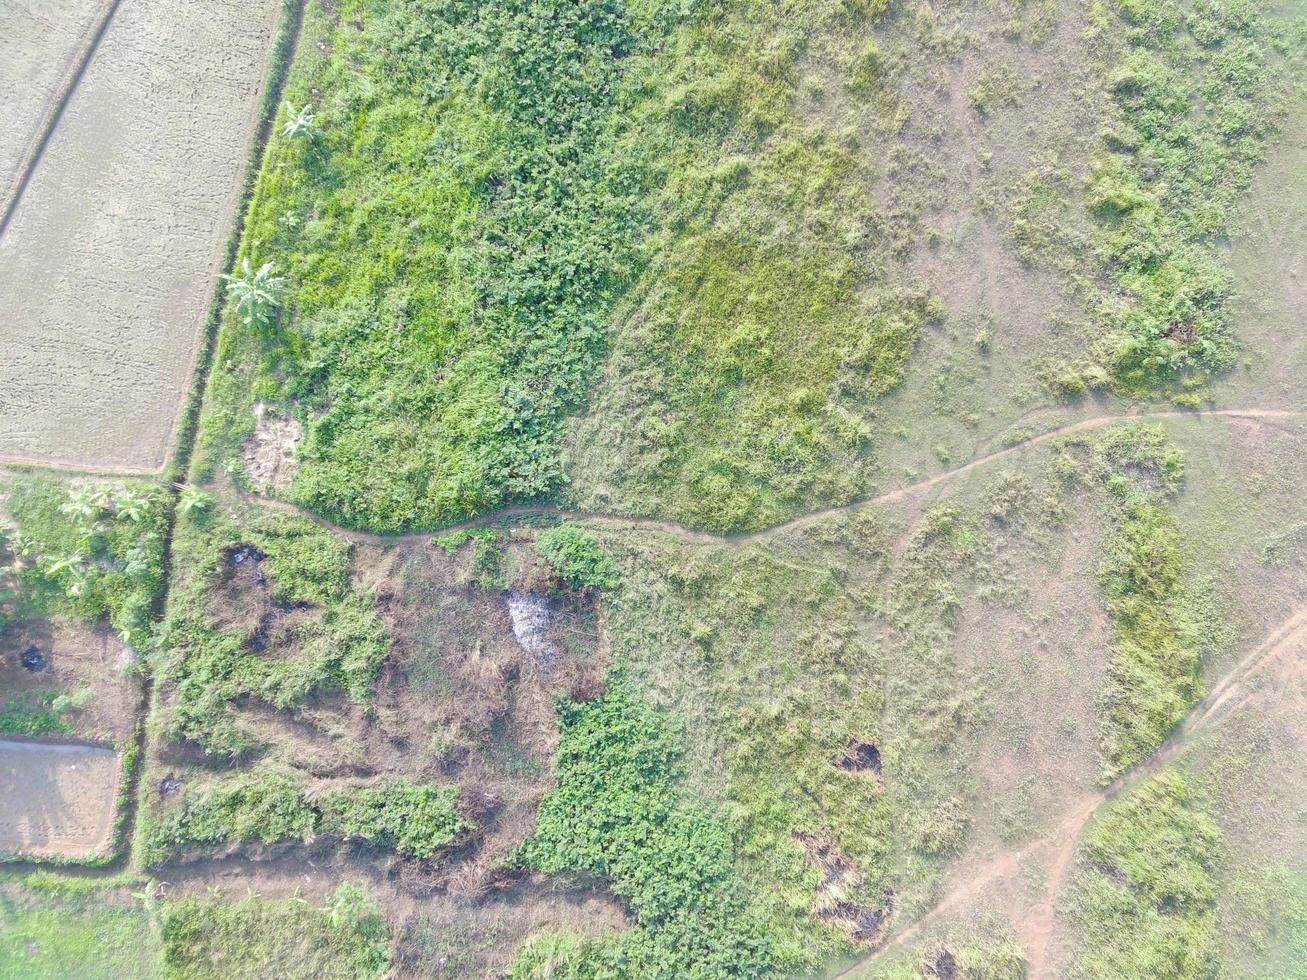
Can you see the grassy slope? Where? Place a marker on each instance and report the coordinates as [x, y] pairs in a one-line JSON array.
[[71, 932]]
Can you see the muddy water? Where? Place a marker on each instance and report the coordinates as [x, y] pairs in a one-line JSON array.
[[56, 799]]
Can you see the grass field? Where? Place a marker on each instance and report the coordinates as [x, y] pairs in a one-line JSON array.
[[694, 490]]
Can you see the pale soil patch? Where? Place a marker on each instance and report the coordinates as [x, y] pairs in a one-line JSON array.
[[269, 454], [40, 44], [56, 800], [108, 264]]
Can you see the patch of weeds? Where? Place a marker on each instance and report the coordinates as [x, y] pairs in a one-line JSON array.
[[413, 820], [92, 933], [1164, 618], [998, 85], [205, 667], [90, 550], [1285, 547], [1194, 101], [578, 559], [616, 813], [38, 712], [985, 951], [346, 939], [1144, 893]]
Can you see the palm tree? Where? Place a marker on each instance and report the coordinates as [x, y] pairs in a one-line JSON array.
[[258, 292]]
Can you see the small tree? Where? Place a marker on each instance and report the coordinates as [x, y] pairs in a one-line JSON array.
[[258, 292]]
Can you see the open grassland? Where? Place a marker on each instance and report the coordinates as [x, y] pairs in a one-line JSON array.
[[108, 263]]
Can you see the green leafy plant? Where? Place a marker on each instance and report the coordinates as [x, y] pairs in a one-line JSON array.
[[577, 557], [258, 292]]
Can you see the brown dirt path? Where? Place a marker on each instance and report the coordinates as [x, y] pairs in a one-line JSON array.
[[1056, 849], [1254, 415]]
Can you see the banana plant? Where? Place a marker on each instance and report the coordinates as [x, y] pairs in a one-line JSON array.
[[258, 292]]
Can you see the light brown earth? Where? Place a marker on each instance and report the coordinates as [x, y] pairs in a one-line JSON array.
[[108, 263], [42, 44], [56, 800], [1025, 882]]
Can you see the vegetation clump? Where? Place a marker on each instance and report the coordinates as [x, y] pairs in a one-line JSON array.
[[1144, 895], [577, 557], [1164, 619], [205, 666], [616, 813], [1193, 105], [414, 820], [90, 550]]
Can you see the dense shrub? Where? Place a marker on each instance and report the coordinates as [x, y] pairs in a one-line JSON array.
[[577, 557], [91, 550], [615, 813], [413, 819]]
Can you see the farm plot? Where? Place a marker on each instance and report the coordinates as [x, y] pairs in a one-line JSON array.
[[56, 800], [41, 43], [108, 261]]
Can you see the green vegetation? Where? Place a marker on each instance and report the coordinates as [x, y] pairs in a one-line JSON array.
[[292, 566], [616, 814], [1193, 103], [271, 807], [90, 550], [211, 938], [453, 235], [89, 933], [40, 711], [1144, 894], [577, 557], [984, 951], [1164, 618], [258, 292], [417, 821]]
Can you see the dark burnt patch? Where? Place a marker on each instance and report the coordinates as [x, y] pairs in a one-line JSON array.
[[945, 966], [33, 659], [860, 756], [170, 785]]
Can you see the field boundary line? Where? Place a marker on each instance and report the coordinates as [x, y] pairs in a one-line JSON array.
[[53, 115]]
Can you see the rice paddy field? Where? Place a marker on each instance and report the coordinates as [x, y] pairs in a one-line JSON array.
[[627, 488]]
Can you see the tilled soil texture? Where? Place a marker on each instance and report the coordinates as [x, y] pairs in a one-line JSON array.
[[56, 800], [107, 264], [42, 43]]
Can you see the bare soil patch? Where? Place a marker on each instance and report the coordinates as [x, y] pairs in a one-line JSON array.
[[269, 454], [56, 800], [40, 43], [107, 266], [74, 657]]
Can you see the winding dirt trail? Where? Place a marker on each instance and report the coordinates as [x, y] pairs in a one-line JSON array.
[[1057, 848], [1256, 415]]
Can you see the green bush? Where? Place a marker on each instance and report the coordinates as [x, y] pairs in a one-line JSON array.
[[1144, 894], [615, 813], [415, 820], [33, 713], [411, 819], [577, 557]]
